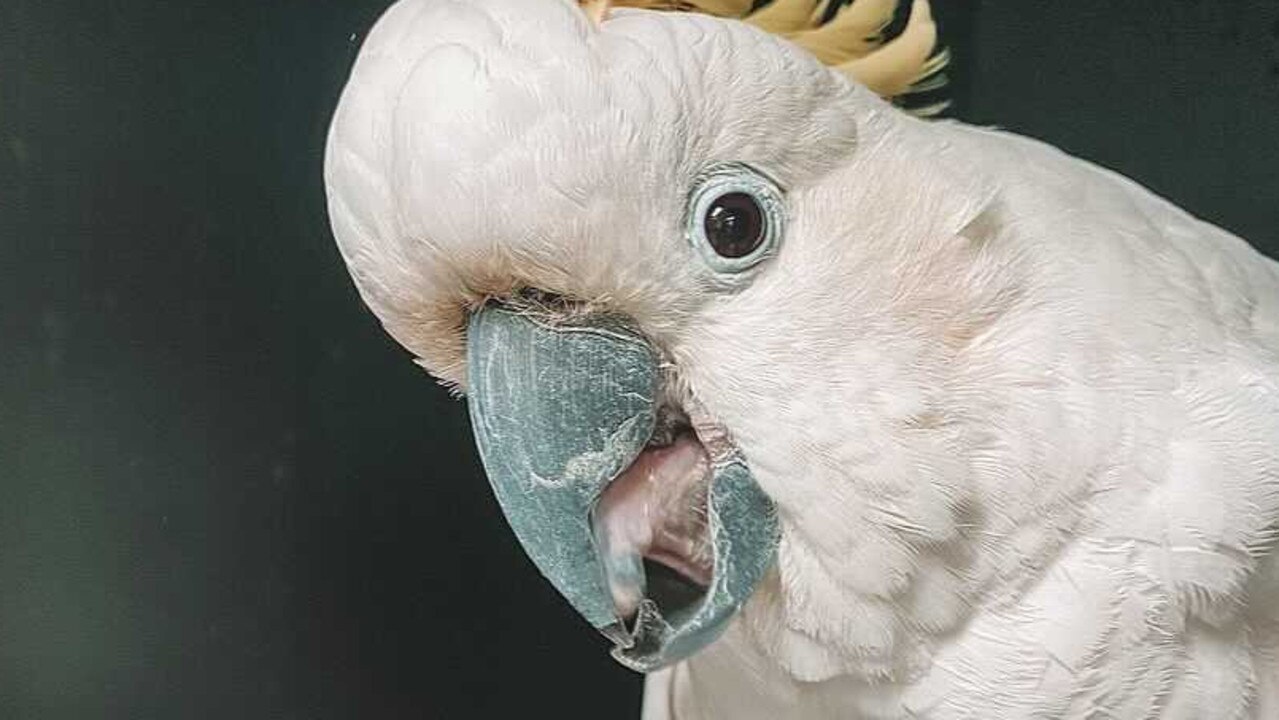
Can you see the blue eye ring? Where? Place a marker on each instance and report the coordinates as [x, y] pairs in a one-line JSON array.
[[727, 201]]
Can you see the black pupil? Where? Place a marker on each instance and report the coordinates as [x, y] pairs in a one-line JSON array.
[[734, 225]]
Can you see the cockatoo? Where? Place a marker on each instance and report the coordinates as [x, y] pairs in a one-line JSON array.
[[813, 407]]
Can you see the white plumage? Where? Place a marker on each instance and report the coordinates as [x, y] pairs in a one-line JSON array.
[[1020, 417]]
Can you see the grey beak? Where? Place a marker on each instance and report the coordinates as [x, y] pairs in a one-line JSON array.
[[559, 409]]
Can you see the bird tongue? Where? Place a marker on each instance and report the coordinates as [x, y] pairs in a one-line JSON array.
[[655, 510]]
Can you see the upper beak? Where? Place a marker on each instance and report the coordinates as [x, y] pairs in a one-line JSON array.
[[562, 407]]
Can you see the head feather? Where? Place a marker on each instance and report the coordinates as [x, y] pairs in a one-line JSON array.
[[852, 41]]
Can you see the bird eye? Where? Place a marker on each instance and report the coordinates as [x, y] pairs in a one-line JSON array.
[[735, 217], [734, 225]]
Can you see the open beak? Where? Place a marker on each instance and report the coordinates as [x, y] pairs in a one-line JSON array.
[[648, 523]]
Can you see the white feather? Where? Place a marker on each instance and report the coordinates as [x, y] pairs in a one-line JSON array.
[[1019, 415]]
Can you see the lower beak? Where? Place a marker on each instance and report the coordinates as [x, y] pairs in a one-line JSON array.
[[562, 407]]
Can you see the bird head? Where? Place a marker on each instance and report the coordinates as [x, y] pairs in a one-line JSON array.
[[704, 290]]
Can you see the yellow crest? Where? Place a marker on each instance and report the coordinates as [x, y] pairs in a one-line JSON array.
[[853, 41]]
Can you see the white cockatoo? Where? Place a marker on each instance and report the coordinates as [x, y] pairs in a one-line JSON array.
[[814, 407]]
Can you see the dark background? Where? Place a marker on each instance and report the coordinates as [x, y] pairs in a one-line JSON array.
[[225, 493]]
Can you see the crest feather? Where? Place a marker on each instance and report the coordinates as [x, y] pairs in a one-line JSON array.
[[853, 41], [718, 8], [782, 17], [905, 64], [855, 32]]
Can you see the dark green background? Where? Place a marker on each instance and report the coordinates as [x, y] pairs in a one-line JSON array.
[[225, 493]]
